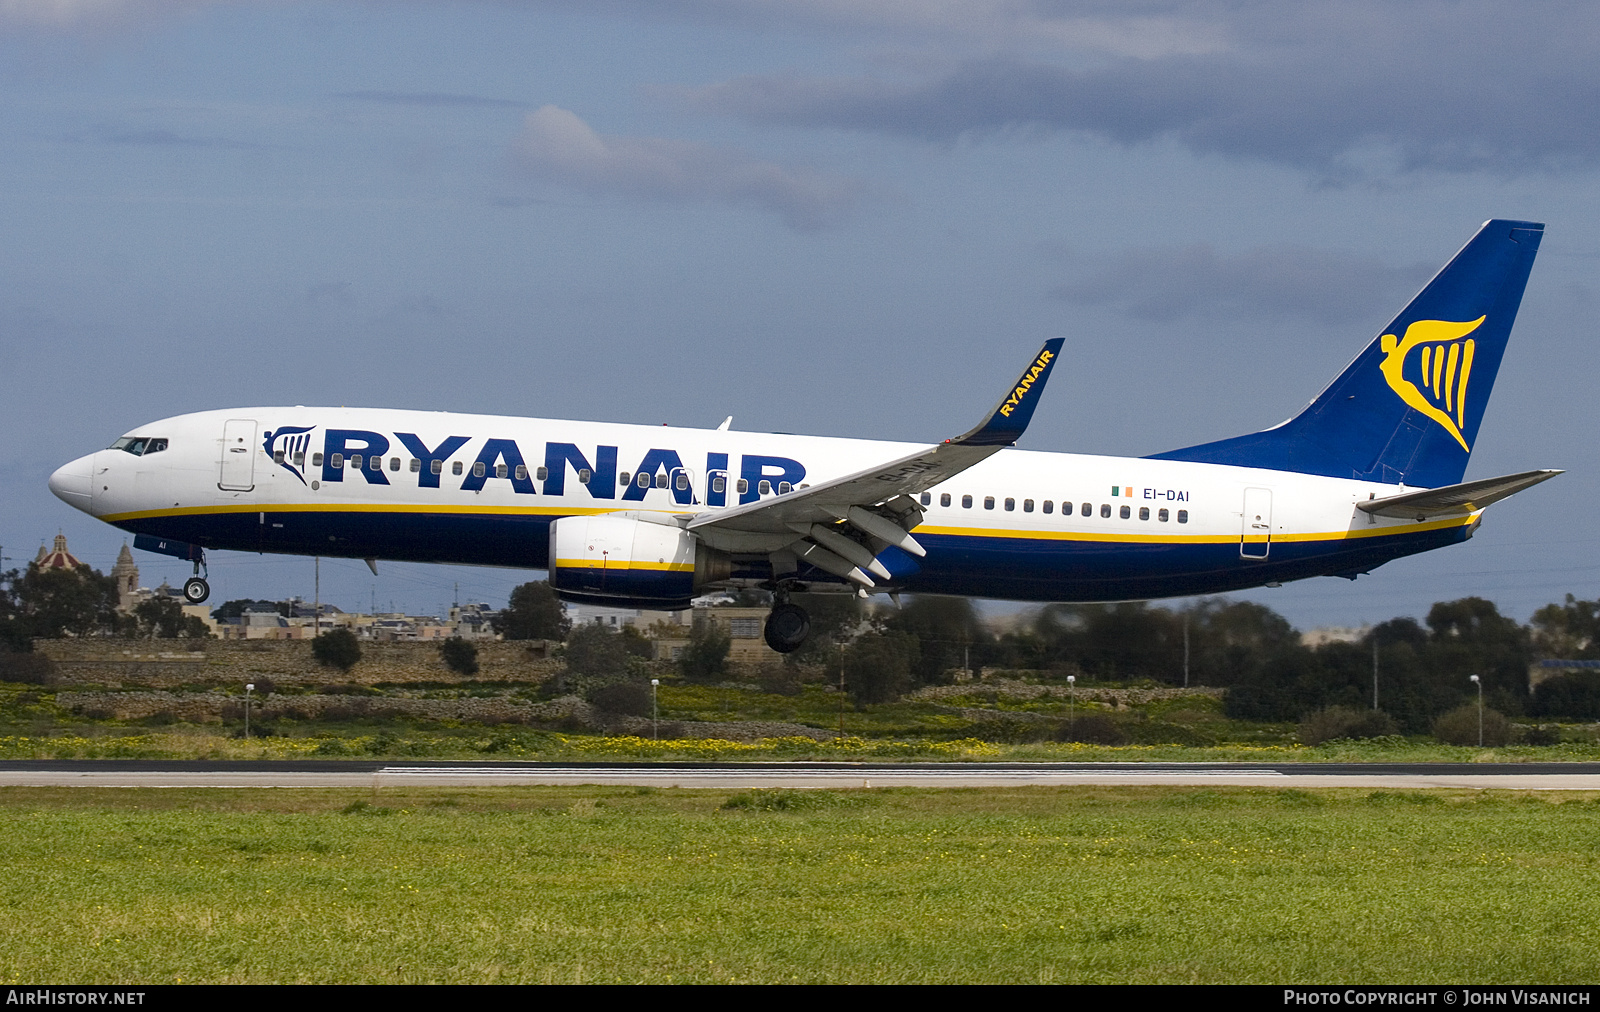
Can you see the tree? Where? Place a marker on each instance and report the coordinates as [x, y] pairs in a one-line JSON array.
[[706, 656], [878, 666], [949, 632], [337, 648], [1569, 631], [51, 603], [596, 649], [163, 618], [459, 655], [534, 613]]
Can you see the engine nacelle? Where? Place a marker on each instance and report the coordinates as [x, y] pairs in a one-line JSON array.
[[614, 558]]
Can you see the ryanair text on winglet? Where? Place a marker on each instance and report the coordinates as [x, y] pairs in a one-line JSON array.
[[1011, 403]]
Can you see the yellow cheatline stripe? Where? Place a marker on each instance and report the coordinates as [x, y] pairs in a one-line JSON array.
[[1191, 539], [971, 532], [189, 511], [659, 567]]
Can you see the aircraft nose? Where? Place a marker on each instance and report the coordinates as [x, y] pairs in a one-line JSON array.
[[73, 483]]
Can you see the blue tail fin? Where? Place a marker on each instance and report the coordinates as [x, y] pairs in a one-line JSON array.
[[1407, 409]]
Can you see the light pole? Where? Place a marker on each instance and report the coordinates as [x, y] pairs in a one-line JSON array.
[[655, 711], [1072, 698], [1479, 683], [249, 688]]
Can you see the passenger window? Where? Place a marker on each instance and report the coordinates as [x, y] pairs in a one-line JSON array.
[[300, 459], [743, 486], [1027, 505], [765, 488], [416, 466], [478, 469], [542, 473], [1163, 515], [1183, 516], [661, 480], [681, 483], [944, 498], [1011, 505], [436, 467], [522, 472], [277, 456], [927, 499], [624, 478], [374, 463], [988, 502], [337, 460], [966, 502], [355, 461], [500, 471], [1105, 510], [719, 484], [394, 463], [1088, 510], [642, 480], [1144, 513], [455, 468], [1124, 512], [316, 460], [584, 474], [1049, 507]]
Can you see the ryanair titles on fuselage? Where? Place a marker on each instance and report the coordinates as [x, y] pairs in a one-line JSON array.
[[348, 453]]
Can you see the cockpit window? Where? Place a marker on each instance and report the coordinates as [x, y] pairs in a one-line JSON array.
[[139, 446]]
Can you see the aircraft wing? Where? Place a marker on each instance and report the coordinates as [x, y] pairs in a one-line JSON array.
[[840, 525], [1468, 497]]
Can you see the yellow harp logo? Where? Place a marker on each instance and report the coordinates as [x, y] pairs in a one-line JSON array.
[[1441, 370]]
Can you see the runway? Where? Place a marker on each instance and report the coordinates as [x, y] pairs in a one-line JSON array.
[[377, 774]]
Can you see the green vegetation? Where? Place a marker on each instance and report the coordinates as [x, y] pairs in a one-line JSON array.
[[889, 886], [337, 648]]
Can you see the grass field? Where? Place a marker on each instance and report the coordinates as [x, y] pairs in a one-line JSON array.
[[888, 885]]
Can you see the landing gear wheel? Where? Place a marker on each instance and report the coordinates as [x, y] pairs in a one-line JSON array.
[[196, 590], [787, 627]]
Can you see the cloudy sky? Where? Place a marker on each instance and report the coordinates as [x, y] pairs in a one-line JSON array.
[[844, 217]]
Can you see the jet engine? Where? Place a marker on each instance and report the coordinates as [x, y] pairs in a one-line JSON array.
[[631, 560]]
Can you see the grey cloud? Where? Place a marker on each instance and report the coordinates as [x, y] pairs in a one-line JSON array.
[[557, 146], [1333, 88], [430, 98], [1164, 284]]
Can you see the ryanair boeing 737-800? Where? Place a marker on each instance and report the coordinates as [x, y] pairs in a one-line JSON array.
[[642, 516]]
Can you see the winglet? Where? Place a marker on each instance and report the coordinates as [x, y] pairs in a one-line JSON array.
[[1010, 417]]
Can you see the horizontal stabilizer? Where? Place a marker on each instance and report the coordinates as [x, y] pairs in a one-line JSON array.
[[1468, 497]]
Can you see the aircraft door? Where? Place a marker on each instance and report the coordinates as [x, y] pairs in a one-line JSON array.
[[681, 483], [1255, 535], [717, 488], [238, 465]]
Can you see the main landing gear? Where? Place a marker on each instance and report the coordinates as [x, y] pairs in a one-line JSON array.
[[787, 627], [195, 588]]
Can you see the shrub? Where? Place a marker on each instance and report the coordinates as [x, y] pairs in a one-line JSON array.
[[337, 648], [1347, 722], [1460, 727], [27, 669], [1576, 695], [630, 698], [706, 656], [459, 655], [1524, 734], [1092, 729]]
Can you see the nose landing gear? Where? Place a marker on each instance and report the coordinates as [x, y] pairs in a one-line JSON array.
[[195, 588]]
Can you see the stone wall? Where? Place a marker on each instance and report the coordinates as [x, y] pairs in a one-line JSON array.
[[165, 664]]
